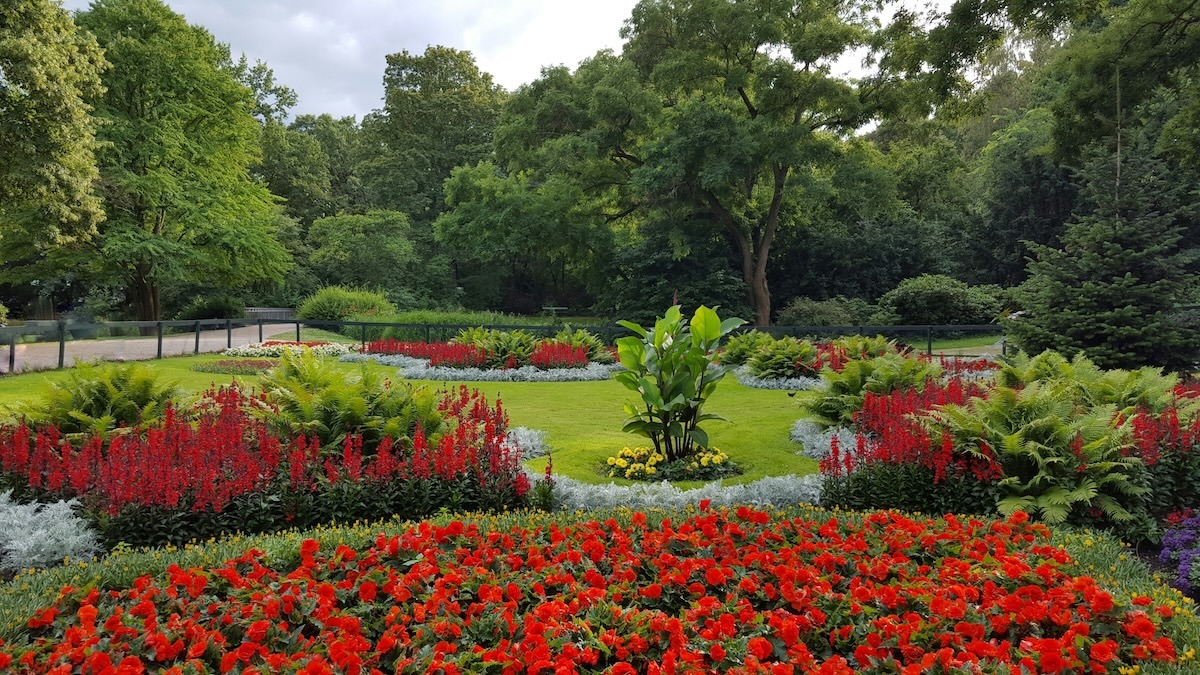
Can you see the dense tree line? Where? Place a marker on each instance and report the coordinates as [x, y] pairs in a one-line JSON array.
[[726, 155]]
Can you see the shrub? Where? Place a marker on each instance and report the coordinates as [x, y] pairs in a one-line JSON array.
[[673, 367], [938, 299], [311, 397], [862, 347], [339, 303], [3, 315], [504, 348], [739, 348], [42, 535], [216, 307], [839, 311], [785, 358], [96, 399]]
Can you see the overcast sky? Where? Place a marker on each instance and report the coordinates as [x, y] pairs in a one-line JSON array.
[[332, 51]]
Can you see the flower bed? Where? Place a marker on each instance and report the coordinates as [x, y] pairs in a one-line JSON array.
[[717, 591], [414, 368], [276, 348], [644, 463], [217, 468]]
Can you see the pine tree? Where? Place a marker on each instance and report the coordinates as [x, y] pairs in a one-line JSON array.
[[1112, 289]]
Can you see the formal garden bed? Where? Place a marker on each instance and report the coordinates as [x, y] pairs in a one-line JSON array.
[[1035, 439], [704, 590], [277, 348], [484, 355]]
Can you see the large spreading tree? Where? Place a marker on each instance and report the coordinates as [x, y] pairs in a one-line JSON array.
[[48, 73], [179, 136]]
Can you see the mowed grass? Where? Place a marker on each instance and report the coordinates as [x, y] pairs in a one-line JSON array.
[[582, 420]]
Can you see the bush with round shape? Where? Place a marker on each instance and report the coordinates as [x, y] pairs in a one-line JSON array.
[[839, 311], [936, 299], [784, 358], [338, 303], [739, 348]]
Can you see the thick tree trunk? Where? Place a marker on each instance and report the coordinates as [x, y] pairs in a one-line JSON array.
[[144, 290]]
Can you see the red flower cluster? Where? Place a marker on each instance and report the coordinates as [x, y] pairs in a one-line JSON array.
[[957, 364], [549, 354], [438, 353], [1155, 435], [889, 431], [203, 460], [719, 592]]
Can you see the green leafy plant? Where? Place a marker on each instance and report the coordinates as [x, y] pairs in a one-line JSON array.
[[841, 396], [783, 358], [96, 399], [338, 303], [308, 395], [739, 348], [862, 347], [503, 347], [1059, 461], [673, 368], [597, 351]]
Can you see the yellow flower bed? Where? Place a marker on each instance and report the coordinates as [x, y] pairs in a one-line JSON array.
[[643, 463]]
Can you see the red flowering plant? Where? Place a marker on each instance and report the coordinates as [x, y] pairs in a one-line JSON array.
[[716, 592], [219, 467], [545, 354]]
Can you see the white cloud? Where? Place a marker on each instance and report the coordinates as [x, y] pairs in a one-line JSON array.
[[332, 51]]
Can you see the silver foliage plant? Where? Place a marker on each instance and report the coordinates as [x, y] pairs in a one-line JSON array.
[[42, 535], [746, 379], [570, 494], [264, 350], [531, 442], [418, 369], [816, 441]]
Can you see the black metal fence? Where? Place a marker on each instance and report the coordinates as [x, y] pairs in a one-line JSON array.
[[40, 345]]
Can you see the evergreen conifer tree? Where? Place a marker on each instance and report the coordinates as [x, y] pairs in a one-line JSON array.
[[1112, 290]]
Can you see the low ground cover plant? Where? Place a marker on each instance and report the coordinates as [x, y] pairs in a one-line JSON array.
[[642, 463], [738, 590], [236, 366]]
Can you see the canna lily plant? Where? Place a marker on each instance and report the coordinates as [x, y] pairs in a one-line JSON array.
[[673, 367]]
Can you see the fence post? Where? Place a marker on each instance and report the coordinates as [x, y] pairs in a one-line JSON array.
[[929, 340], [197, 349], [297, 331], [229, 333], [1004, 346], [260, 337], [427, 332], [158, 327], [62, 343], [364, 335], [12, 352]]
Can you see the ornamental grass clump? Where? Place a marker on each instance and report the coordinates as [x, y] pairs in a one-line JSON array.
[[673, 367]]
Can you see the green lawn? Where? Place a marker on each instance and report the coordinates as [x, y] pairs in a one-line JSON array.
[[582, 420]]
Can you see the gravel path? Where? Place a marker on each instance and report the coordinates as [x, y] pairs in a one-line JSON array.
[[44, 355]]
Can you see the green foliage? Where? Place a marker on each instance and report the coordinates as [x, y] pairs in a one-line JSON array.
[[938, 299], [311, 396], [740, 347], [3, 315], [909, 487], [598, 352], [50, 72], [1111, 290], [784, 358], [862, 347], [96, 399], [339, 303], [1059, 461], [499, 345], [212, 307], [175, 146], [673, 368], [358, 251], [841, 396], [839, 311], [1089, 385]]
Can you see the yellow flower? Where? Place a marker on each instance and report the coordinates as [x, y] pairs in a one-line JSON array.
[[612, 461]]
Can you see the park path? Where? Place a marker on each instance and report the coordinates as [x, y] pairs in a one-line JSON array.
[[44, 355]]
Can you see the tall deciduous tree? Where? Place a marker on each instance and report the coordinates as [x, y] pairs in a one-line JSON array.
[[48, 73], [439, 112], [179, 138]]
